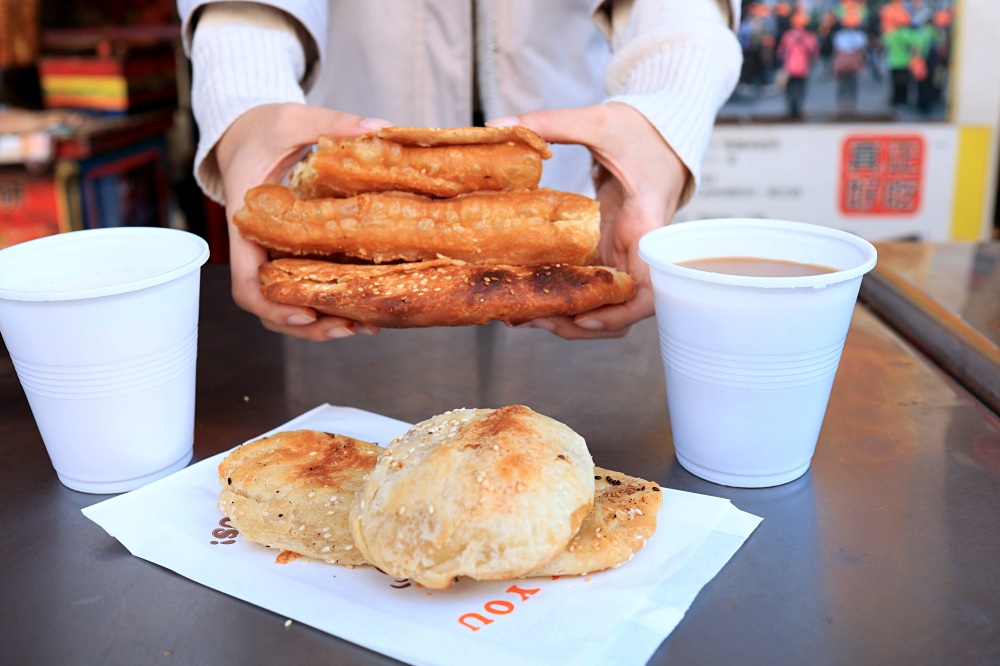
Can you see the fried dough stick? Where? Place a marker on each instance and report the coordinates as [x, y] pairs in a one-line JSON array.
[[528, 227], [431, 162], [442, 292]]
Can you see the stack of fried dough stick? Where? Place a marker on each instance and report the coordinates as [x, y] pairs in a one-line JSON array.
[[407, 227]]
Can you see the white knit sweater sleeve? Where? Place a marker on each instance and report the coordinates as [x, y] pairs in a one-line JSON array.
[[242, 55], [677, 62]]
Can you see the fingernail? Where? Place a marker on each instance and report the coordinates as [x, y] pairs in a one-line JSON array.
[[590, 324], [543, 324], [504, 121], [300, 319], [338, 332], [374, 123]]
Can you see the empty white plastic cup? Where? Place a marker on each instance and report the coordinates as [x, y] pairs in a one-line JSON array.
[[102, 329], [749, 362]]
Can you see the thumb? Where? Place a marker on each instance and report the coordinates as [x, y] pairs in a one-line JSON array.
[[570, 125]]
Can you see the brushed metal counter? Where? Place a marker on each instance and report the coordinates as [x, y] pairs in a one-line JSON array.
[[944, 298], [885, 552], [963, 278]]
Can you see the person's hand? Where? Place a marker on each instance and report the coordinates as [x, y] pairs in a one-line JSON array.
[[639, 184], [260, 147]]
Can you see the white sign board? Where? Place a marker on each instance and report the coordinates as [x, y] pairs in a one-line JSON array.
[[880, 181]]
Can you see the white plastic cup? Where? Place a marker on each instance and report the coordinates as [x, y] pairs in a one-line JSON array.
[[749, 362], [102, 328]]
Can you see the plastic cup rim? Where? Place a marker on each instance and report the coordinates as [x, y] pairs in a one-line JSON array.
[[195, 262], [816, 281]]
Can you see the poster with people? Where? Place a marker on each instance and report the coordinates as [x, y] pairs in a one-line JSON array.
[[878, 117], [835, 60]]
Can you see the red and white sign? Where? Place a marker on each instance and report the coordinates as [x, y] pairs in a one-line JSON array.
[[881, 174]]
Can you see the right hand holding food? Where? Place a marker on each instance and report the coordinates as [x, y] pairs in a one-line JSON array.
[[260, 147]]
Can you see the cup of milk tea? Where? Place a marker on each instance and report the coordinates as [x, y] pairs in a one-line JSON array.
[[752, 316]]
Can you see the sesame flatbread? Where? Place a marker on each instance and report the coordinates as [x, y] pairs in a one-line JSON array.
[[622, 519], [293, 491]]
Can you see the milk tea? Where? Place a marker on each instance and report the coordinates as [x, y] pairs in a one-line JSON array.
[[756, 267]]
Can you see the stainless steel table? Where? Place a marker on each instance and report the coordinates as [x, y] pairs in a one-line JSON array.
[[945, 299], [886, 552]]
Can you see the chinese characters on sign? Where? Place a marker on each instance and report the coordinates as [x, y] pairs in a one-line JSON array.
[[881, 175]]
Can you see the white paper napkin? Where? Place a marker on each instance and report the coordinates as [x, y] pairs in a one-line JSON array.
[[616, 616]]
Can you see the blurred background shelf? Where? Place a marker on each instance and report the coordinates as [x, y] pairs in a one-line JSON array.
[[95, 121]]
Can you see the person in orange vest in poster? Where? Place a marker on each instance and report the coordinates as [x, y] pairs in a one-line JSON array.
[[797, 51], [854, 12], [893, 16]]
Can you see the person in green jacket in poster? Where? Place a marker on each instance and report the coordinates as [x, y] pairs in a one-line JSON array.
[[897, 44]]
